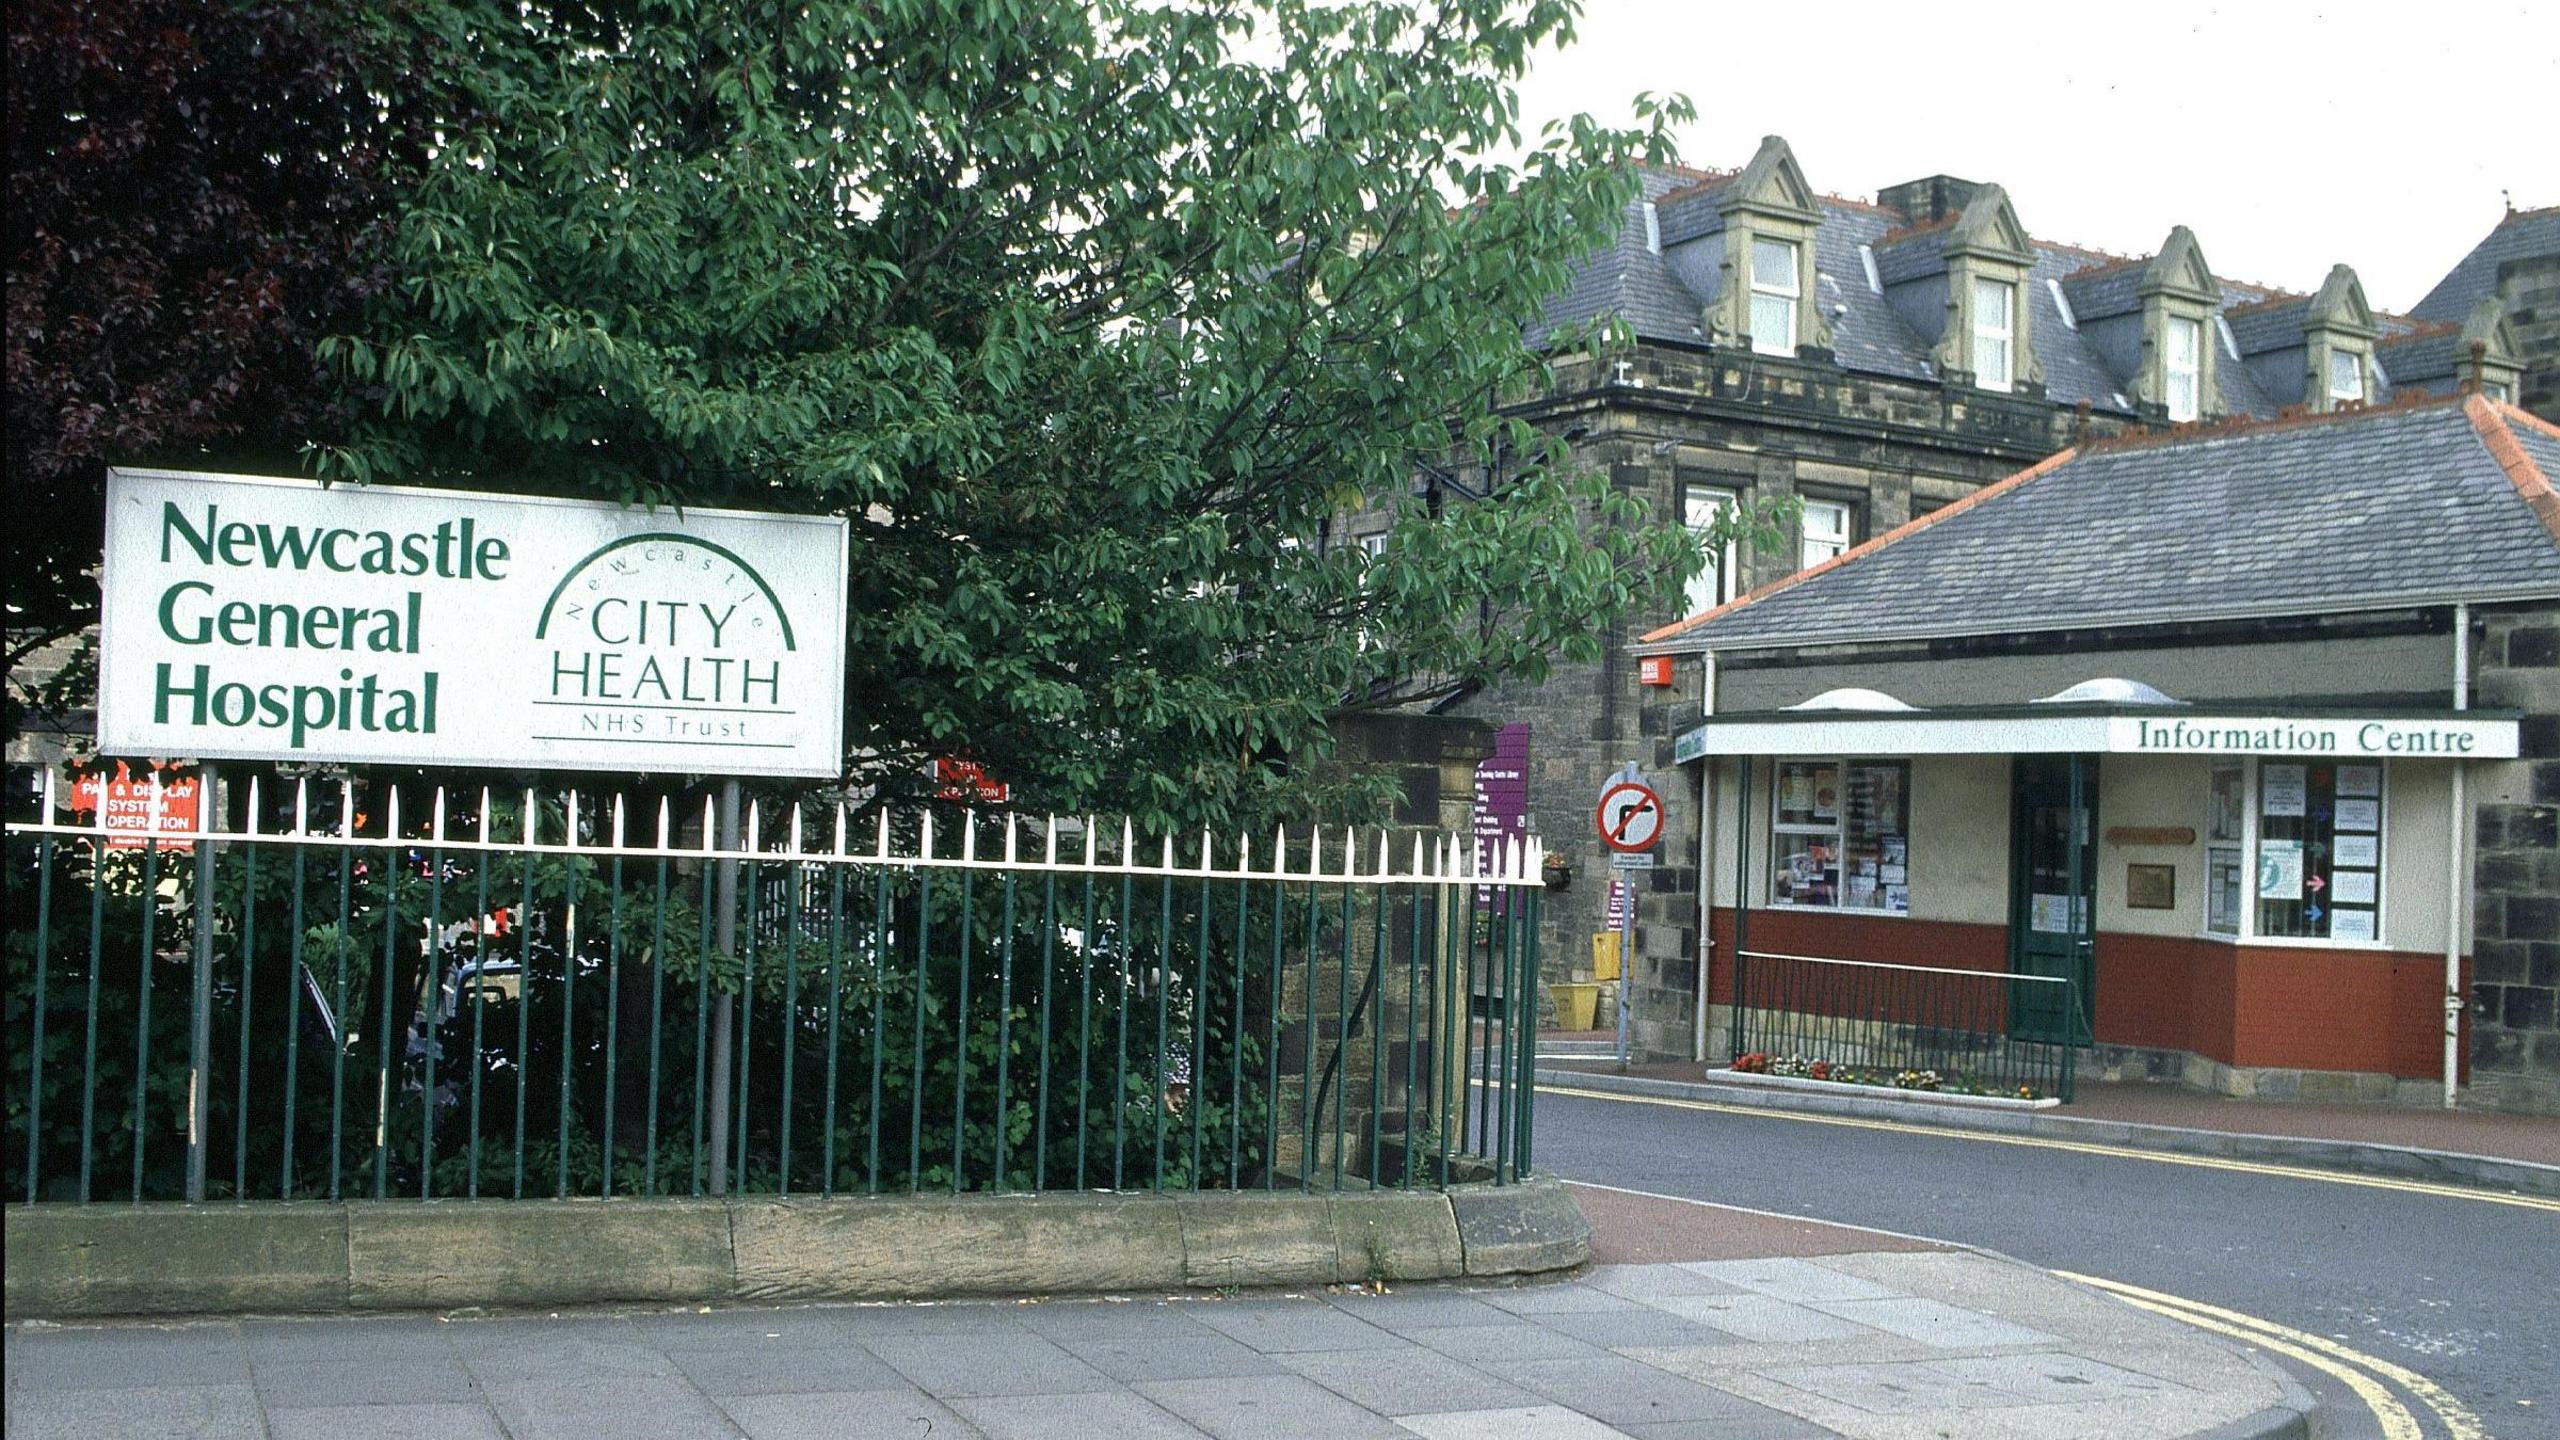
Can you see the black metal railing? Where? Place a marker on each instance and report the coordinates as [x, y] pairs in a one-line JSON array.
[[1913, 1027], [377, 989]]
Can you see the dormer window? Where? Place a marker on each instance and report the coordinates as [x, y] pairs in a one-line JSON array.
[[1775, 289], [2182, 364], [1994, 332], [2346, 378], [1765, 275]]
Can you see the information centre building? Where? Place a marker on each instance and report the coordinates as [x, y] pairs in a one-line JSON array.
[[2253, 732]]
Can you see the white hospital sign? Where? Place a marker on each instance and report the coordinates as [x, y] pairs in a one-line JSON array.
[[268, 619]]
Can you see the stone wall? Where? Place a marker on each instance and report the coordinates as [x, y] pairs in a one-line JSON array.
[[2515, 927], [2531, 290]]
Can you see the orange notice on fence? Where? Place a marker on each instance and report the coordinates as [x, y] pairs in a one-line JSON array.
[[130, 804]]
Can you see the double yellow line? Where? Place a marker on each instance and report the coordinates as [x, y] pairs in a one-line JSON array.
[[2082, 1147], [2370, 1376]]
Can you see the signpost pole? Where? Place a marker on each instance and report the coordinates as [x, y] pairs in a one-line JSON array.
[[1626, 965], [200, 1029], [725, 938]]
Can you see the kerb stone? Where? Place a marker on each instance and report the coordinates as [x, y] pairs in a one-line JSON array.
[[174, 1259], [1398, 1235], [535, 1252], [1521, 1229], [1267, 1239], [917, 1247]]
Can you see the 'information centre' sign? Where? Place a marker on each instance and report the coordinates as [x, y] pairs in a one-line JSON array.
[[268, 619]]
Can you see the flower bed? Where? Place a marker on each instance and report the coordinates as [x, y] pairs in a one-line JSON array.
[[1798, 1067]]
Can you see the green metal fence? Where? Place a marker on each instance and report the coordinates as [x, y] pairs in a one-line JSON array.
[[1909, 1026], [379, 989]]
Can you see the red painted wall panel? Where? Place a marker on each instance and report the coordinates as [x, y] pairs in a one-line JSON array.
[[2242, 1005]]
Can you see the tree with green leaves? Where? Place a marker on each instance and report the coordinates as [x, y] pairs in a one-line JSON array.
[[1090, 317], [198, 192]]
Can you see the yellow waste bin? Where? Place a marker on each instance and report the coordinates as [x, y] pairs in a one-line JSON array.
[[1604, 954], [1577, 1006]]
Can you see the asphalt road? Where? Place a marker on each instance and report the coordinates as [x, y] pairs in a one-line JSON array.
[[2463, 1292]]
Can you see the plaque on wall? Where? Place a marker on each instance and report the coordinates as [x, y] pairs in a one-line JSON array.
[[2151, 887]]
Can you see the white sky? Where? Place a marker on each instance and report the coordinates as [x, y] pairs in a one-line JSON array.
[[2379, 134]]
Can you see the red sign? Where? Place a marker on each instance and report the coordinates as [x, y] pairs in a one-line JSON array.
[[965, 782], [130, 805], [1653, 670], [1630, 817]]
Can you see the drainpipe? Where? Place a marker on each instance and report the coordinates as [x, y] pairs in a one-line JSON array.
[[1706, 869], [2454, 889]]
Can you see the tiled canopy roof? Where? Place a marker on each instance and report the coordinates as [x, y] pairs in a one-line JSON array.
[[2421, 503]]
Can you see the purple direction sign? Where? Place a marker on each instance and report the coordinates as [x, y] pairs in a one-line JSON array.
[[1501, 810]]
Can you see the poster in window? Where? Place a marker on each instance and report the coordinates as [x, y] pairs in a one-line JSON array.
[[2359, 814], [2360, 780], [2222, 892], [2224, 804], [2050, 914], [2365, 850], [1897, 899], [2351, 887], [1795, 791], [2280, 870], [2284, 789], [2345, 924]]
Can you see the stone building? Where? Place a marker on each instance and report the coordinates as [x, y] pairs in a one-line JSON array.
[[2516, 270], [1874, 361]]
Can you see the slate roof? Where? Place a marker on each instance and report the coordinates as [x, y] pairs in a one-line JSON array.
[[2521, 234], [2420, 503], [1663, 296]]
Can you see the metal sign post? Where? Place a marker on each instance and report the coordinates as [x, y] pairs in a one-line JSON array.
[[1629, 819]]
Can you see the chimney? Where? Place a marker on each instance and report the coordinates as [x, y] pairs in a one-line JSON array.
[[1924, 201]]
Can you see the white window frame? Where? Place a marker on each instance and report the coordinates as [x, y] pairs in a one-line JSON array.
[[2253, 799], [1831, 543], [1700, 506], [2354, 368], [1838, 830], [2004, 335], [1790, 295], [2187, 384]]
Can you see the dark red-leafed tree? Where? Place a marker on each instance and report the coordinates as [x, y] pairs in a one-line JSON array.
[[197, 194]]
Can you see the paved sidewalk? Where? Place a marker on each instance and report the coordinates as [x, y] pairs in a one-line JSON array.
[[2530, 1139], [1897, 1343]]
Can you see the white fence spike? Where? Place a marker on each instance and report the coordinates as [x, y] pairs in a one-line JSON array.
[[1128, 845], [1382, 851], [1009, 837], [924, 841], [1166, 864], [881, 851], [1244, 854], [840, 851], [968, 837], [302, 804], [1280, 851], [253, 800], [666, 820], [1049, 831], [755, 825], [1089, 828], [435, 825], [1206, 845], [795, 827], [710, 826]]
